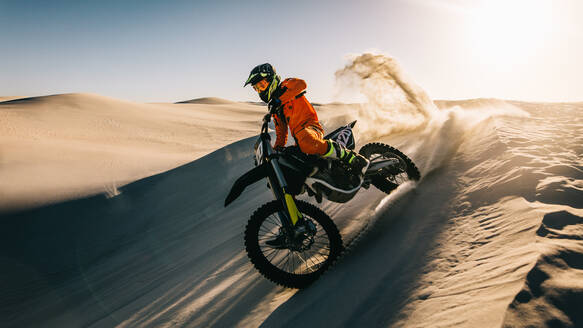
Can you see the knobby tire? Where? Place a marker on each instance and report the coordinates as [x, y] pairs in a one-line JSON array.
[[272, 272], [382, 182]]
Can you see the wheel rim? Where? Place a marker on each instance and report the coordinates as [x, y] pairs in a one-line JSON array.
[[301, 257], [398, 178]]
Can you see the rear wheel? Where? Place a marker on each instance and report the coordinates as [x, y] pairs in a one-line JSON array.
[[389, 178], [300, 259]]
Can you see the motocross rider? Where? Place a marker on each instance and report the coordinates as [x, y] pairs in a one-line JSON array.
[[293, 110]]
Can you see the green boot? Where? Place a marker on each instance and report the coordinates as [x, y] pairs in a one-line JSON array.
[[355, 161]]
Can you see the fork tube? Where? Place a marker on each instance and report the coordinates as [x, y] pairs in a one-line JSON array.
[[279, 190], [278, 173]]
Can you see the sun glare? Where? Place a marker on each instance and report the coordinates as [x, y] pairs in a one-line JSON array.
[[506, 32]]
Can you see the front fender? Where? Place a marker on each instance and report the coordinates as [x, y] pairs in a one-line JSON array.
[[249, 178]]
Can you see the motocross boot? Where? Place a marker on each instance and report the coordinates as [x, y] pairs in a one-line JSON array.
[[355, 161]]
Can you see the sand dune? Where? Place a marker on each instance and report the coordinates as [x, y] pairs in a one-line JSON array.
[[2, 99], [61, 147], [491, 236], [207, 101]]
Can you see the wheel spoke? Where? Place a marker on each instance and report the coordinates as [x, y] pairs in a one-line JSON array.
[[283, 261], [266, 238], [288, 257], [323, 254], [317, 256], [272, 254], [315, 265], [305, 263], [273, 220], [270, 227], [290, 261], [302, 258], [267, 233]]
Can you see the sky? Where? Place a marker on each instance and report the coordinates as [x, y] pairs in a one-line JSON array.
[[174, 50]]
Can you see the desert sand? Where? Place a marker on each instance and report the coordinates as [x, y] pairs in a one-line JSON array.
[[61, 147], [112, 216]]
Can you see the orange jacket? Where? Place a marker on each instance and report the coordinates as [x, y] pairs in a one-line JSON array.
[[297, 110]]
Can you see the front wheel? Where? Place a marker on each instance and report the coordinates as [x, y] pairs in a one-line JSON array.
[[292, 261], [389, 178]]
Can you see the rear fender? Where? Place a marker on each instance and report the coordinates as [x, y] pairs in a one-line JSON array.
[[343, 135], [249, 178]]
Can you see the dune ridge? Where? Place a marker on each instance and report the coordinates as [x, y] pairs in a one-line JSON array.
[[207, 101], [61, 147], [8, 98]]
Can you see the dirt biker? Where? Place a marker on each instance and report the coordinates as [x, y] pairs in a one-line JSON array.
[[295, 111]]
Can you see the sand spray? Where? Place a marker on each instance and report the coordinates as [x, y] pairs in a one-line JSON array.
[[394, 104]]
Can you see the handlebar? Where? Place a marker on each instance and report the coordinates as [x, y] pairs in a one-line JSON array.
[[266, 120], [267, 117]]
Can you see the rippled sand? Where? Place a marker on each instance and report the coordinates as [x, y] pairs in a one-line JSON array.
[[491, 236]]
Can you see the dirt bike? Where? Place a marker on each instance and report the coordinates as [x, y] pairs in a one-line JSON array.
[[292, 242]]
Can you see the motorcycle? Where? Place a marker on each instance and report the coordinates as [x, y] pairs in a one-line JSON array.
[[292, 242]]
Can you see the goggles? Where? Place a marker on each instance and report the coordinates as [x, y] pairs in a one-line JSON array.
[[261, 86]]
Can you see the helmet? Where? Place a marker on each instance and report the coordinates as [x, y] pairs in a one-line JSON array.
[[267, 72]]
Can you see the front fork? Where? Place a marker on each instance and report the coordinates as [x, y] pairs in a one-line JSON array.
[[291, 215]]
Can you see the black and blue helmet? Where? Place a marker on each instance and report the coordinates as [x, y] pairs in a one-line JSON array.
[[267, 72]]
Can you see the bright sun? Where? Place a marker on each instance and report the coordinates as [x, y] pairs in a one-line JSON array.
[[506, 32]]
